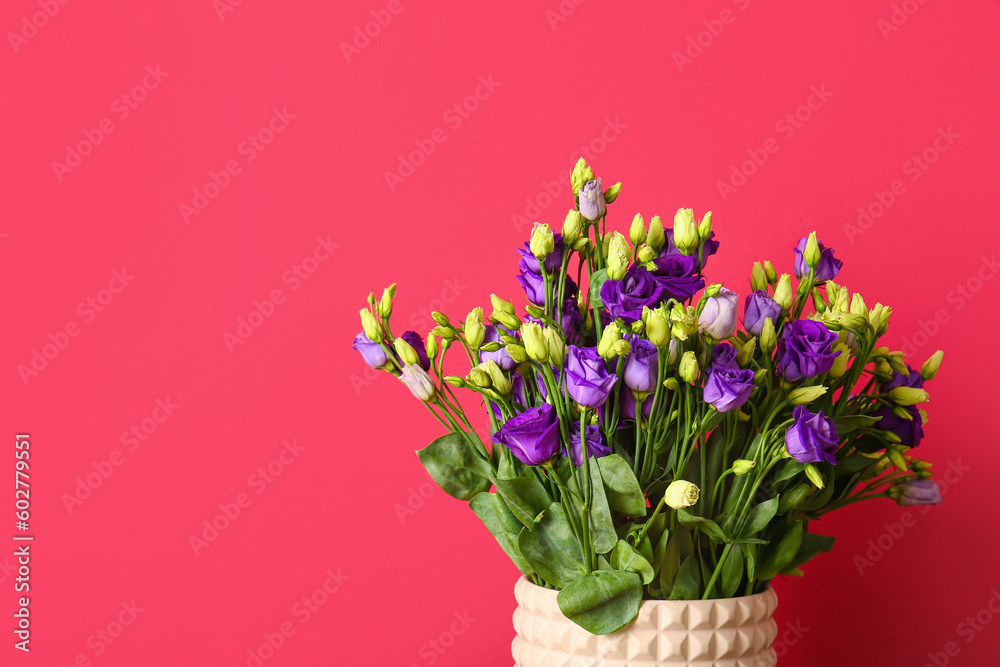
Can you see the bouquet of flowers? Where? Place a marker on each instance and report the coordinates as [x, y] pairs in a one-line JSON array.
[[644, 444]]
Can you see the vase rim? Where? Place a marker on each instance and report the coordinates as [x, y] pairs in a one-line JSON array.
[[523, 580]]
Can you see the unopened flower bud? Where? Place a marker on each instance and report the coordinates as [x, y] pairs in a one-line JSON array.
[[637, 232], [908, 395], [406, 352], [686, 237], [656, 238], [743, 466], [455, 381], [385, 304], [479, 377], [812, 253], [500, 305], [671, 383], [447, 333], [572, 227], [772, 275], [618, 257], [745, 353], [804, 395], [783, 294], [517, 353], [370, 325], [840, 361], [542, 241], [688, 369], [758, 279], [611, 335], [681, 494], [592, 203], [705, 227], [432, 346], [611, 193], [621, 348], [931, 366], [474, 329], [534, 342], [858, 306], [418, 382], [581, 174], [500, 381], [556, 347], [657, 327], [768, 337], [645, 253]]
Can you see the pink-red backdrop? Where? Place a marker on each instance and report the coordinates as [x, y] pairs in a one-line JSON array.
[[171, 168]]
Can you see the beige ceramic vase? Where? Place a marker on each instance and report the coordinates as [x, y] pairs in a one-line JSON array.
[[736, 632]]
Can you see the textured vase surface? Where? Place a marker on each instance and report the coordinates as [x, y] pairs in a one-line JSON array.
[[735, 632]]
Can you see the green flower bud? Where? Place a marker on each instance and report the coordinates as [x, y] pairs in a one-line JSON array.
[[572, 227], [621, 348], [371, 299], [814, 476], [499, 305], [685, 233], [745, 353], [500, 381], [611, 335], [581, 174], [474, 329], [713, 290], [681, 494], [783, 293], [931, 366], [432, 346], [804, 395], [883, 320], [406, 352], [812, 253], [611, 193], [534, 342], [688, 369], [446, 333], [840, 361], [761, 378], [657, 327], [645, 253], [440, 318], [858, 306], [671, 383], [772, 275], [705, 227], [542, 241], [385, 304], [479, 377], [370, 325], [556, 347], [455, 381], [618, 257], [656, 238], [908, 395], [517, 354], [758, 279], [902, 412], [637, 232], [743, 466], [768, 337]]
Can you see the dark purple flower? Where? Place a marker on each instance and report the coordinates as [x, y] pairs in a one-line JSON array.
[[572, 320], [417, 343], [919, 492], [371, 352], [723, 356], [540, 383], [552, 262], [641, 368], [587, 379], [500, 357], [533, 284], [812, 438], [899, 380], [728, 388], [595, 444], [626, 402], [678, 276], [828, 267], [519, 395], [805, 350], [708, 248], [759, 307], [625, 298], [532, 436], [910, 431]]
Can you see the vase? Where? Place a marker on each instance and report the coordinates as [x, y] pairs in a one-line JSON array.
[[733, 632]]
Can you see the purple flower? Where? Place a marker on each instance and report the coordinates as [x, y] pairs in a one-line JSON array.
[[572, 320], [899, 380], [595, 444], [708, 248], [532, 436], [500, 357], [919, 492], [417, 343], [533, 283], [519, 395], [828, 267], [677, 275], [587, 379], [812, 438], [625, 298], [641, 368], [592, 204], [723, 356], [805, 350], [718, 317], [626, 401], [728, 388], [552, 262], [371, 352], [759, 307], [910, 431]]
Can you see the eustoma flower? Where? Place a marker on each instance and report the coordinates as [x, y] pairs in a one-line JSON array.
[[417, 343], [678, 276], [641, 370], [805, 350], [595, 445], [371, 352], [723, 356], [826, 269], [500, 357], [587, 378], [718, 317], [532, 436], [812, 438], [625, 298], [758, 308], [418, 382], [728, 388], [917, 492], [708, 248], [592, 204]]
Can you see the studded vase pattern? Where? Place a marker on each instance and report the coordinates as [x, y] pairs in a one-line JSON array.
[[735, 632]]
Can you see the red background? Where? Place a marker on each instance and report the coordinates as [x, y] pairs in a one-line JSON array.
[[446, 234]]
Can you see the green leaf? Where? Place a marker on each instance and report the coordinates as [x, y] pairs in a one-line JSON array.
[[493, 512], [621, 486], [551, 549], [456, 466], [602, 527], [777, 556], [597, 278], [603, 601], [679, 547], [626, 558], [812, 545], [750, 556], [850, 423], [707, 526], [732, 572], [789, 470], [525, 496], [687, 584], [760, 516]]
